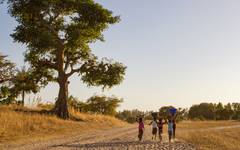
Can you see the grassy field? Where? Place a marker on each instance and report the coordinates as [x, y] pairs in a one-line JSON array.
[[21, 125], [206, 135], [24, 125]]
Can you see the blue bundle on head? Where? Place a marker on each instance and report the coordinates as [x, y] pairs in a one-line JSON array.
[[173, 111]]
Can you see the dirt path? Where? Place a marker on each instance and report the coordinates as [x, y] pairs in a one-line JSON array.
[[111, 139], [123, 139]]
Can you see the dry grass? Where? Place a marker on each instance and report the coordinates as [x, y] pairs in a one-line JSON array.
[[206, 136], [20, 126], [205, 124], [97, 119]]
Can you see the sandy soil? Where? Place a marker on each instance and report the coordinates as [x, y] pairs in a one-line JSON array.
[[124, 138]]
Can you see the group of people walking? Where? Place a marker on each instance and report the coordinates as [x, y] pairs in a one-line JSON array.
[[157, 127]]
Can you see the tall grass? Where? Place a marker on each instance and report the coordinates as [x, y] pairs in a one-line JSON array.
[[18, 125]]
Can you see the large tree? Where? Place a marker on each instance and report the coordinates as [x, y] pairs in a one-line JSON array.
[[57, 34]]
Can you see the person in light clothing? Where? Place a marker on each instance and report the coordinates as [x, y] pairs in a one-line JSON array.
[[154, 128], [170, 129]]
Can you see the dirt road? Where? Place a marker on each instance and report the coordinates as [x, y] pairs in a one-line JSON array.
[[111, 139]]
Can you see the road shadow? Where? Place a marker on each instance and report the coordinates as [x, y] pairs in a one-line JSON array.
[[129, 145]]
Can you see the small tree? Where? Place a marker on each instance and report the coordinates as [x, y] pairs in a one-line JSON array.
[[103, 105], [24, 83], [7, 70], [57, 34], [77, 105]]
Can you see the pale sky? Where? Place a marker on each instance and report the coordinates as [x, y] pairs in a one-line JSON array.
[[178, 52]]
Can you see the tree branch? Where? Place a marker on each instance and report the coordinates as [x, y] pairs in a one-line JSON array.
[[4, 80], [48, 63], [73, 71], [66, 63]]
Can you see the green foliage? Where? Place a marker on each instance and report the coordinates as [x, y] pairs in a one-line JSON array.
[[23, 83], [57, 34], [212, 111], [7, 69], [204, 110], [76, 104], [96, 104], [60, 32], [130, 115], [236, 111], [103, 105]]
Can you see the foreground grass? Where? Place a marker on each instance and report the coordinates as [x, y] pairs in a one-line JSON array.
[[22, 126], [206, 135]]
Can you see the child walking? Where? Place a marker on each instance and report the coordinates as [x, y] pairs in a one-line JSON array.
[[154, 128], [140, 129], [160, 128], [174, 128], [170, 129]]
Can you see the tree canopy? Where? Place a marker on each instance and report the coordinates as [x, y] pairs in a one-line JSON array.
[[7, 69], [57, 34]]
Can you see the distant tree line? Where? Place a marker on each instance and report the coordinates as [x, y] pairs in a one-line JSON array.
[[131, 115], [203, 111], [215, 111]]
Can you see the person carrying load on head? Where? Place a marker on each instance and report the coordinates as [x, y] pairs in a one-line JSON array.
[[170, 129], [173, 112]]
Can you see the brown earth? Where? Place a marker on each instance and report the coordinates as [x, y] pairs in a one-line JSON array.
[[110, 139]]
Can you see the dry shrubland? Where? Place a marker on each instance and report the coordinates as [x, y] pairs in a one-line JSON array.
[[20, 124]]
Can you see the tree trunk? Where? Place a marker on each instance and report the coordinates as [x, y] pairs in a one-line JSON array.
[[23, 97], [61, 108]]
